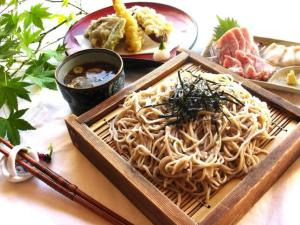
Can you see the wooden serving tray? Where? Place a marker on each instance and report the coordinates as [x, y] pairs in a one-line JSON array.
[[89, 133], [264, 41]]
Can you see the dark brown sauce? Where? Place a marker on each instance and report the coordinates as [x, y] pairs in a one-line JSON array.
[[90, 75]]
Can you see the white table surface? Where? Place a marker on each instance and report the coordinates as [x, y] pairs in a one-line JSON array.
[[35, 203]]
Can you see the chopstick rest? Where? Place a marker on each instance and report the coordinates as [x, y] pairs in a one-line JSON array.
[[9, 167]]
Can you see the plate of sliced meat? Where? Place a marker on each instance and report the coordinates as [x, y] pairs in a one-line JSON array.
[[255, 58]]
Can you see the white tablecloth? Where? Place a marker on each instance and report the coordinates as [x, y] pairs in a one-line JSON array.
[[35, 203]]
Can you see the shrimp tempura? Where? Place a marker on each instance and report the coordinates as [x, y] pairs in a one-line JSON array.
[[133, 35]]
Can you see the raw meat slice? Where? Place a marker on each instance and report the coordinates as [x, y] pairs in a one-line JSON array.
[[261, 65], [240, 38], [243, 58], [227, 45], [261, 69], [235, 39], [233, 64], [250, 72], [251, 47], [263, 75], [237, 51], [222, 53]]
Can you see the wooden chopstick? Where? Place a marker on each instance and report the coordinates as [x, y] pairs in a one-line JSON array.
[[64, 187]]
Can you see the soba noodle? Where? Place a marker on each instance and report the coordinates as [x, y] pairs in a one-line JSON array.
[[193, 157]]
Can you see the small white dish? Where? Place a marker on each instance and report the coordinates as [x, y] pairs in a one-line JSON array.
[[280, 78]]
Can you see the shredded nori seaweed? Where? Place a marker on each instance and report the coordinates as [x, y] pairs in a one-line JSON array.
[[192, 96]]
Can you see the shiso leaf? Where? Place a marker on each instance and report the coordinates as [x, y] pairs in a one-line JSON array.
[[224, 25], [10, 127]]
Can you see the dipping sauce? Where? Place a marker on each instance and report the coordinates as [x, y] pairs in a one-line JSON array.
[[90, 75]]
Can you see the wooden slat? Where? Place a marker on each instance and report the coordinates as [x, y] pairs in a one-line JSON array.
[[268, 41], [107, 118]]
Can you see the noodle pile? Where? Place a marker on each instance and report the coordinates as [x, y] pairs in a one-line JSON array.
[[194, 157]]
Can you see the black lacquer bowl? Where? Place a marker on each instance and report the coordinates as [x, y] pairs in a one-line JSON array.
[[83, 99]]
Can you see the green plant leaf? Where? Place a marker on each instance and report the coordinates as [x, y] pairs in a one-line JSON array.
[[25, 58], [41, 72], [28, 37], [11, 89], [42, 78], [28, 51], [10, 127], [9, 62], [14, 2], [65, 3], [224, 25], [8, 49], [58, 54], [71, 18], [60, 17], [35, 16], [27, 19], [9, 22]]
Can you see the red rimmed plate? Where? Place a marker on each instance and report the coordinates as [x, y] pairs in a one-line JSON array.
[[182, 23]]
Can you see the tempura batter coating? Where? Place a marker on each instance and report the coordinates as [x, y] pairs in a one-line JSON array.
[[154, 24], [106, 32], [134, 38]]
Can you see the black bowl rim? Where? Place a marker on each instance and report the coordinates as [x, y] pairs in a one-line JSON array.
[[87, 51]]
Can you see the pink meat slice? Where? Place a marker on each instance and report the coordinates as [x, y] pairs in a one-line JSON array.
[[238, 52], [227, 45], [251, 47], [264, 69], [250, 72], [243, 58], [254, 66], [233, 64], [240, 38]]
